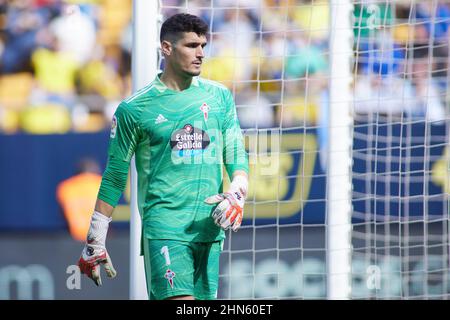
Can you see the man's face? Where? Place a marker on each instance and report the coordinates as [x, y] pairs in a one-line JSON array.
[[186, 55]]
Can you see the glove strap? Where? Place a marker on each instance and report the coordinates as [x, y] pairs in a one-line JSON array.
[[98, 229]]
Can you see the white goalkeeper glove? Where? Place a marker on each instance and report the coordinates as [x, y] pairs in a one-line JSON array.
[[230, 211], [94, 253]]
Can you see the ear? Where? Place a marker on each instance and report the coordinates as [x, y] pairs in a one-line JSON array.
[[166, 48]]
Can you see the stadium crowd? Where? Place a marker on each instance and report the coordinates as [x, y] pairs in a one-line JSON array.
[[65, 64]]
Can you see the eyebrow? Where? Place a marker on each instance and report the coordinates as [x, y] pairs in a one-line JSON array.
[[197, 43]]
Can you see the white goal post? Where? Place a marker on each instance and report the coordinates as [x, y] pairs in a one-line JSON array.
[[339, 186]]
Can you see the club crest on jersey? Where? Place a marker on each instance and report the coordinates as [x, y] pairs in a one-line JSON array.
[[169, 276], [188, 128], [205, 109], [113, 127]]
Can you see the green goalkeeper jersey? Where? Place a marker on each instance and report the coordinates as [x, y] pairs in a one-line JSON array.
[[181, 141]]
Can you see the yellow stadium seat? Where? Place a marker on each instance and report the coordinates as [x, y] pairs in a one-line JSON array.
[[15, 90], [114, 17], [46, 119]]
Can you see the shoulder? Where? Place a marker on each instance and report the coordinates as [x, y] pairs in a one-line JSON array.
[[213, 87], [128, 113], [210, 83], [142, 96], [138, 101]]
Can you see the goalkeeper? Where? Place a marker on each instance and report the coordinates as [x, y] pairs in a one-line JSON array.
[[182, 129]]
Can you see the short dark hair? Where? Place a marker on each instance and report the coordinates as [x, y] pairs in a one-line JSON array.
[[173, 27]]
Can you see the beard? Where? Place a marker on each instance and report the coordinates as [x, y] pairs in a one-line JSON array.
[[192, 73]]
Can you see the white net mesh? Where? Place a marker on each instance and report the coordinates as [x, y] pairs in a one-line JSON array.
[[400, 152]]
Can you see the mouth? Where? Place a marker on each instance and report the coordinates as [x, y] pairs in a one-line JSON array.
[[197, 63]]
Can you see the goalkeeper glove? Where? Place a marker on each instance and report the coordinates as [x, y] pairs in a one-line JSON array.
[[230, 211], [94, 253]]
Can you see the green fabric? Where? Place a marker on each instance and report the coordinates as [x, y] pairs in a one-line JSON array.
[[306, 61], [180, 152], [368, 19], [193, 268], [113, 181]]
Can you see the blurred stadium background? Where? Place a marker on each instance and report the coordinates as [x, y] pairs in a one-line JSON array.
[[65, 65]]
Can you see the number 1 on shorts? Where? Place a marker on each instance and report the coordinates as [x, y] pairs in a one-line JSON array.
[[165, 252]]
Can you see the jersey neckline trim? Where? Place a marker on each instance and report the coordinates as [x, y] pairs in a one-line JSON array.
[[161, 87]]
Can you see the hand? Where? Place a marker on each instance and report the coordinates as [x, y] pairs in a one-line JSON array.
[[94, 253], [230, 210], [92, 257]]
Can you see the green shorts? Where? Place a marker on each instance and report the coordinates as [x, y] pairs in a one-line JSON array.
[[174, 268]]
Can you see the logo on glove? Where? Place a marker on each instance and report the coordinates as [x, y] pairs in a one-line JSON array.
[[90, 251]]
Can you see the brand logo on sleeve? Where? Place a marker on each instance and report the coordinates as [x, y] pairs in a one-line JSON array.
[[113, 127], [189, 141]]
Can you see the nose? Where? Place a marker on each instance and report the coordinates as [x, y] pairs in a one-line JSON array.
[[200, 53]]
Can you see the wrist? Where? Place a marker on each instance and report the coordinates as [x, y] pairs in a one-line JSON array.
[[98, 216], [240, 183], [98, 229]]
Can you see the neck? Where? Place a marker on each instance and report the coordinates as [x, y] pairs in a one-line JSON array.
[[174, 81]]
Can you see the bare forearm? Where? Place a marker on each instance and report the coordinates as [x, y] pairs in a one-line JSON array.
[[239, 173], [104, 208]]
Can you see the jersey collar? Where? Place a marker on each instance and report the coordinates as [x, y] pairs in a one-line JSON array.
[[161, 87]]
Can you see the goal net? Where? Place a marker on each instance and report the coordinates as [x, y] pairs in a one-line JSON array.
[[275, 57], [400, 150]]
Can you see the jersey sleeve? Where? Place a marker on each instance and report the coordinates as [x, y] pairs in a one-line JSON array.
[[124, 137], [234, 154]]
